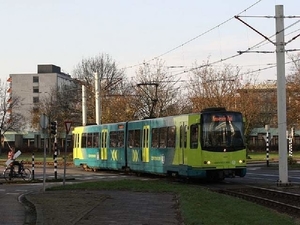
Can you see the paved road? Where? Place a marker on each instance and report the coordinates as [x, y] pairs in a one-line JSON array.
[[147, 207], [12, 210]]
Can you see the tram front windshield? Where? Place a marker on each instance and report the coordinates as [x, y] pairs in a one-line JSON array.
[[222, 130]]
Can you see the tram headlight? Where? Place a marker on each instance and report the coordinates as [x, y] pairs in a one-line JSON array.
[[207, 162], [241, 161]]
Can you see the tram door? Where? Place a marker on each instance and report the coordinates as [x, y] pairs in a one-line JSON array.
[[182, 141], [77, 146], [103, 147], [145, 143]]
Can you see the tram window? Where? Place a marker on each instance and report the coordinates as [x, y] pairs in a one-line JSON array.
[[89, 140], [83, 140], [194, 137], [155, 137], [78, 141], [171, 136], [120, 142], [113, 138], [75, 140], [96, 140], [183, 136], [116, 139], [163, 137], [130, 139], [180, 135], [145, 136], [134, 138]]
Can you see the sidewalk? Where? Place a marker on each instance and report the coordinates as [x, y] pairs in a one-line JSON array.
[[11, 210], [102, 207]]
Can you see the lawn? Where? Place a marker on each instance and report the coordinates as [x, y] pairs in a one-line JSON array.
[[38, 158]]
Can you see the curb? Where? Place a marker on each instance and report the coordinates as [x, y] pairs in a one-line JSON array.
[[30, 210]]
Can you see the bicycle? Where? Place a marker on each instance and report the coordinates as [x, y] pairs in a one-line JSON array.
[[10, 173]]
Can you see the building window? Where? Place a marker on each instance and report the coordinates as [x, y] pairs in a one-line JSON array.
[[35, 79], [35, 99], [35, 89]]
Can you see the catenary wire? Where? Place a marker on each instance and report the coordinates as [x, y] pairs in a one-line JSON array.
[[200, 35]]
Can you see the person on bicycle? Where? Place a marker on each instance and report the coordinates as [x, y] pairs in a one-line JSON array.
[[10, 155]]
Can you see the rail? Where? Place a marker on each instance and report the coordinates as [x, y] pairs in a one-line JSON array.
[[284, 202]]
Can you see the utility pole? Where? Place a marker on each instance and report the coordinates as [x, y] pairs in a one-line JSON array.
[[281, 95], [84, 101], [84, 108], [281, 91], [97, 98]]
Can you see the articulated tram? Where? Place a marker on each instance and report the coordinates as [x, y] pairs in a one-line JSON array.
[[209, 144]]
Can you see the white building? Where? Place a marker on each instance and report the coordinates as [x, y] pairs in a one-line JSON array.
[[33, 87]]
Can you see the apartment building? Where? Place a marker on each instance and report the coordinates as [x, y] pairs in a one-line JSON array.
[[33, 87]]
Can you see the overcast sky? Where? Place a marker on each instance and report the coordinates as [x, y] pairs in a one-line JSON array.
[[181, 32]]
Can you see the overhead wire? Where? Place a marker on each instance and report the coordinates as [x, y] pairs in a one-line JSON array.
[[266, 68], [256, 46], [194, 38], [248, 50]]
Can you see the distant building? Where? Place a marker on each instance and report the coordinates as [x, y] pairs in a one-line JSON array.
[[35, 86]]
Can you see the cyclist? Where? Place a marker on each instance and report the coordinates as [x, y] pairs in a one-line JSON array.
[[10, 155]]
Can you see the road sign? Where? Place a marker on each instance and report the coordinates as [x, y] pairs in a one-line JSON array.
[[68, 125], [43, 121], [270, 137]]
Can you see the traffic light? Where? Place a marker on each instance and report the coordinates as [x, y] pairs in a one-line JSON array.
[[53, 127]]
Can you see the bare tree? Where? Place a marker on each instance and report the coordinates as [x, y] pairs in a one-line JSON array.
[[209, 87], [60, 105], [156, 91], [112, 81], [10, 119], [293, 93]]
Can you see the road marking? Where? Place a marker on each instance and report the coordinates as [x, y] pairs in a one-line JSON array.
[[254, 168], [21, 190]]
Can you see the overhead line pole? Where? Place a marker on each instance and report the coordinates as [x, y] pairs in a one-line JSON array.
[[281, 91], [97, 98], [281, 95], [84, 108]]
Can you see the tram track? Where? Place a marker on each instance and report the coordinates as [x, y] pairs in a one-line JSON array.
[[283, 202]]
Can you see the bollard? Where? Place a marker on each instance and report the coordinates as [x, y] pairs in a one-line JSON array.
[[267, 148], [55, 160], [291, 147], [32, 164]]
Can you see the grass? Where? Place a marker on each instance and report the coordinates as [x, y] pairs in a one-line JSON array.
[[197, 204], [38, 158], [273, 156]]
